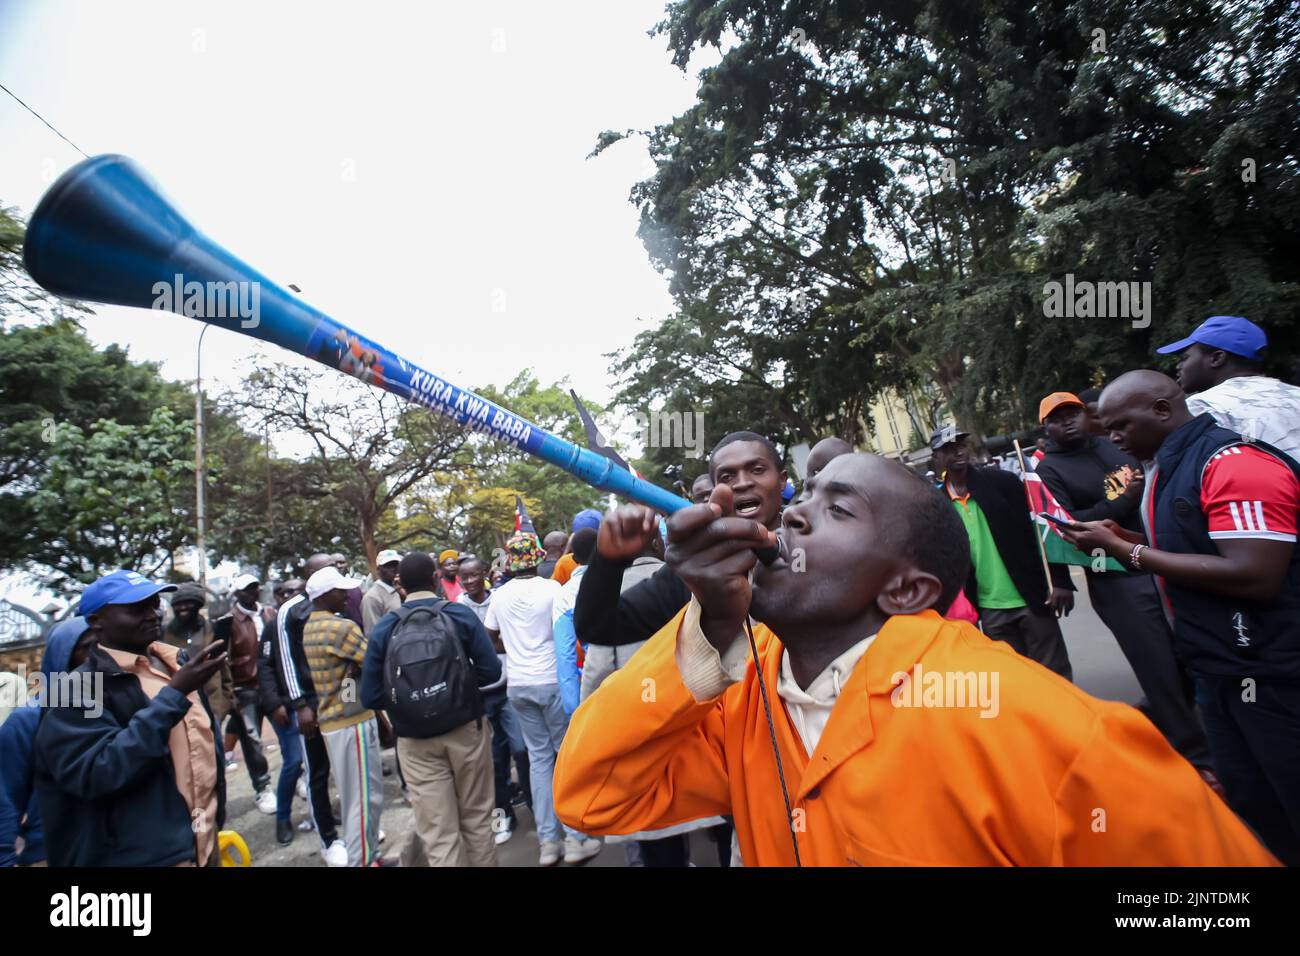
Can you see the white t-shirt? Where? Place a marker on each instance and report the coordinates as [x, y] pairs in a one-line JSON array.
[[521, 611]]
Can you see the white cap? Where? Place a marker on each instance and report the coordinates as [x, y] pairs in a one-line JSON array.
[[329, 579], [244, 580], [387, 557]]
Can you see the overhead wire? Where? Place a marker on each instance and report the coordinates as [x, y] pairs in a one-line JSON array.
[[43, 120]]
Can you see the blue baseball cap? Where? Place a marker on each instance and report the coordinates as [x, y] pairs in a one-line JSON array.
[[1231, 333], [120, 587], [587, 518]]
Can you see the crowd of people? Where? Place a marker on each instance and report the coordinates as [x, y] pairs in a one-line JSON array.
[[636, 678]]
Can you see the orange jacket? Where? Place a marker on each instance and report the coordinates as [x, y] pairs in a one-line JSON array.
[[1056, 777], [564, 568]]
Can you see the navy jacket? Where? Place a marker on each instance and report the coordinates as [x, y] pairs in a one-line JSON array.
[[1219, 635], [292, 671], [19, 813], [478, 648], [605, 614], [106, 784]]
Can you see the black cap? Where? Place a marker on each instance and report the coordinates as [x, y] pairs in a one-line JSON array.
[[190, 591], [944, 435]]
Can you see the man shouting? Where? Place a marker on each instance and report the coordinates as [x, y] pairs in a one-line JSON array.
[[1001, 762]]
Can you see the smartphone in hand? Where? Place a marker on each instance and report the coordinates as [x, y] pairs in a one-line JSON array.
[[1059, 522]]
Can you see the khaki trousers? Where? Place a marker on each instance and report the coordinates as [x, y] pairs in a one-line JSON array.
[[449, 781]]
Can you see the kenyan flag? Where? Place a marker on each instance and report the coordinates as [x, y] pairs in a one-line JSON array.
[[1059, 551]]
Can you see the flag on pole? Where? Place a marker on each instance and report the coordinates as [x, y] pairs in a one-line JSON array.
[[1059, 551], [522, 521], [596, 441]]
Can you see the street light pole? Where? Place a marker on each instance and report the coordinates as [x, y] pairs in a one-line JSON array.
[[199, 496]]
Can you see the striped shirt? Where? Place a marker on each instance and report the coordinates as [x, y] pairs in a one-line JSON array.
[[333, 644], [293, 687], [1248, 493]]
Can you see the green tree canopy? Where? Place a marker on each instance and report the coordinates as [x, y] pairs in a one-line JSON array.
[[112, 497], [868, 195]]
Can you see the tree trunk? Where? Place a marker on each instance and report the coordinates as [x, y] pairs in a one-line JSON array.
[[368, 523]]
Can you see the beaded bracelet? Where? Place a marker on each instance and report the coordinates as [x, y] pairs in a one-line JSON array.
[[1135, 556]]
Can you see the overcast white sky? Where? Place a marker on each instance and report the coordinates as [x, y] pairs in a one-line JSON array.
[[407, 165], [412, 167]]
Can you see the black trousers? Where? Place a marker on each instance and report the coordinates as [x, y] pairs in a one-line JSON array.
[[317, 759], [1254, 732], [1129, 605], [246, 723], [673, 851], [1036, 636]]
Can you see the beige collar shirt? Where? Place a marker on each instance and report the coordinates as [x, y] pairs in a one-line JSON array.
[[193, 750]]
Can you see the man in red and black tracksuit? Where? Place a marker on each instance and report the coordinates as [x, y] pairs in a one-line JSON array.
[[1221, 516]]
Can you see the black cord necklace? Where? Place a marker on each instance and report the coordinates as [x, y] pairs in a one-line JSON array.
[[776, 751]]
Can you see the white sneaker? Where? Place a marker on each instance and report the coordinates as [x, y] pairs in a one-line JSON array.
[[580, 851], [306, 826], [550, 854], [302, 788], [336, 854], [382, 836], [266, 801], [503, 836]]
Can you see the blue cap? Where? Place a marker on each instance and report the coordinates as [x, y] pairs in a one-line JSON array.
[[1231, 333], [120, 587], [587, 518]]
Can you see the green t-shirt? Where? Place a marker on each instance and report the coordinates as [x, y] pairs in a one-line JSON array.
[[996, 589]]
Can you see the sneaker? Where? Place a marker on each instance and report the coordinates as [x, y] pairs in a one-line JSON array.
[[284, 832], [550, 854], [382, 836], [518, 796], [266, 801], [306, 826], [302, 788], [230, 760], [336, 854], [580, 851], [503, 836]]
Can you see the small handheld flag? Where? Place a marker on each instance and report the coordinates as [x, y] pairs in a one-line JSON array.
[[1058, 550], [522, 521]]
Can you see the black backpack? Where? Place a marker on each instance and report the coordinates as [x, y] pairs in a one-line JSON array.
[[428, 682]]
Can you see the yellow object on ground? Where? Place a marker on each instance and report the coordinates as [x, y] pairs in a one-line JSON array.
[[232, 849]]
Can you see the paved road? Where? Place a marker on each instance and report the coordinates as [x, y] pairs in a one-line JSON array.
[[1099, 668]]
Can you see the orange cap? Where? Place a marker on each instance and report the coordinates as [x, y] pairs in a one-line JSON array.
[[1054, 401]]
